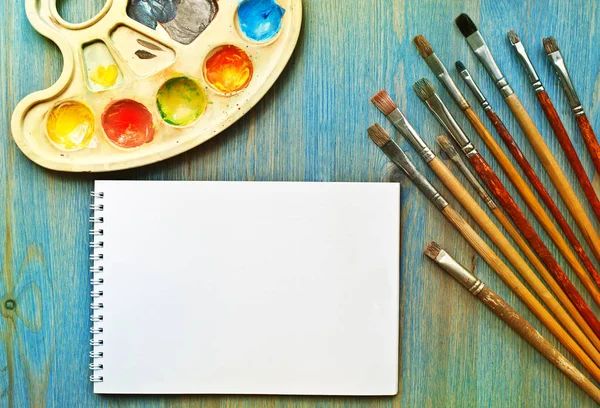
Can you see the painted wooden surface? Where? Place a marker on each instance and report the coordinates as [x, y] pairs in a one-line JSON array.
[[310, 126]]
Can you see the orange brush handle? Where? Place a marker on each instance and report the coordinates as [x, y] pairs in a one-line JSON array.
[[506, 201], [543, 193], [590, 139], [569, 149]]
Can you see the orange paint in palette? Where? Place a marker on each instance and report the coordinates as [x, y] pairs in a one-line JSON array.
[[228, 69], [145, 80], [128, 124]]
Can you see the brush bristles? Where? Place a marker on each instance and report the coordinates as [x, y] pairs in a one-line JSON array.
[[432, 250], [447, 146], [378, 135], [513, 37], [423, 46], [424, 89], [383, 101], [460, 66], [465, 25], [550, 45]]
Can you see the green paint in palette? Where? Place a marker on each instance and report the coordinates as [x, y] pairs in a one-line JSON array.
[[180, 101]]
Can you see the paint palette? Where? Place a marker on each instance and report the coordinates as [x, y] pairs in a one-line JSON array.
[[145, 80]]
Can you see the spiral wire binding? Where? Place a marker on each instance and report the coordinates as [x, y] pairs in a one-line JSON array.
[[96, 258]]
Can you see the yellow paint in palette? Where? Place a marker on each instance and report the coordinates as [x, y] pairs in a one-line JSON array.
[[101, 70], [71, 125], [105, 76], [180, 101]]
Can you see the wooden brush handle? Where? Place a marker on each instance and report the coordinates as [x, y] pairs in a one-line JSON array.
[[498, 238], [556, 175], [590, 139], [496, 187], [569, 149], [516, 322], [528, 196], [519, 157], [520, 290]]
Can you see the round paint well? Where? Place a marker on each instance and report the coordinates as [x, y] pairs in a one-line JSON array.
[[71, 125], [228, 69], [180, 101], [259, 20], [128, 123]]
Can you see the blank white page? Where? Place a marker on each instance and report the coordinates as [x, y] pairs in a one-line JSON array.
[[249, 288]]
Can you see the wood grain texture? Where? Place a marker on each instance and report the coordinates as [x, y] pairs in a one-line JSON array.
[[590, 139], [493, 183], [521, 266], [565, 142], [516, 322], [310, 126], [535, 181]]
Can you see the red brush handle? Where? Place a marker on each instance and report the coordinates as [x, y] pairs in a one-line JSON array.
[[541, 190], [590, 139], [567, 146], [494, 184]]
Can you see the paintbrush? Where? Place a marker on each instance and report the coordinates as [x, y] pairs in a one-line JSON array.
[[455, 158], [558, 63], [426, 93], [555, 122], [380, 137], [511, 317], [426, 51], [481, 50], [388, 107], [518, 155]]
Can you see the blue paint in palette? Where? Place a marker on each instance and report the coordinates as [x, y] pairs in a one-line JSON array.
[[260, 20]]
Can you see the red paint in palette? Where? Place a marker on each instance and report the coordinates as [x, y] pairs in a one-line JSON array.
[[128, 123]]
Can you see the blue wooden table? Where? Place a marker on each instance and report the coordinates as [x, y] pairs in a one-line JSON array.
[[310, 126]]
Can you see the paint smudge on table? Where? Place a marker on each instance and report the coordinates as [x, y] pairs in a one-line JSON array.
[[71, 125], [128, 123], [183, 20], [228, 69], [181, 101], [260, 20]]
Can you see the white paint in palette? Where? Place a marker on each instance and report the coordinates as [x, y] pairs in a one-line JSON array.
[[143, 55]]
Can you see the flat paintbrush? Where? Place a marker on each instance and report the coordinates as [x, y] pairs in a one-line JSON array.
[[558, 63], [380, 137], [511, 317], [555, 122], [426, 51], [426, 93], [481, 50], [519, 157]]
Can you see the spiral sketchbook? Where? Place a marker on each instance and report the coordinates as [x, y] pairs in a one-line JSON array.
[[245, 288]]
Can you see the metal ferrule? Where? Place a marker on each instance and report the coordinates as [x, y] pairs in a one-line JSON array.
[[458, 161], [483, 53], [459, 272], [400, 159], [442, 73], [475, 89], [528, 65], [402, 124], [443, 115], [558, 63]]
